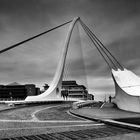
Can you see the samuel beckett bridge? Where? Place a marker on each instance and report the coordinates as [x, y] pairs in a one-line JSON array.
[[48, 116], [127, 84]]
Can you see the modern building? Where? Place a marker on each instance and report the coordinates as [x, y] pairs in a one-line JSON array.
[[16, 91], [71, 89]]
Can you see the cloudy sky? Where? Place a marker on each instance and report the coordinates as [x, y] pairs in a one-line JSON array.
[[115, 22]]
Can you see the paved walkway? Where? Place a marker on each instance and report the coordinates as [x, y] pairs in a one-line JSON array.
[[22, 122], [67, 129], [99, 132], [109, 115], [105, 113]]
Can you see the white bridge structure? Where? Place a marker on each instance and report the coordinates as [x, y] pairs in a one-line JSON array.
[[127, 84], [54, 91]]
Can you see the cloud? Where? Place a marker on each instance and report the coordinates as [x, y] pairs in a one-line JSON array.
[[127, 46], [116, 23]]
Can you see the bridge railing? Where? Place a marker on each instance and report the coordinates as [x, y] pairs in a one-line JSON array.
[[81, 104]]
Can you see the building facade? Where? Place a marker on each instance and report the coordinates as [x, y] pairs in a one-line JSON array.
[[15, 91], [71, 89]]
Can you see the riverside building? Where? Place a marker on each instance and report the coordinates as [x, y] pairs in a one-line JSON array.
[[16, 91]]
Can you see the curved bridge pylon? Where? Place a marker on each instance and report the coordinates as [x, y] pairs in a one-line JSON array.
[[54, 91]]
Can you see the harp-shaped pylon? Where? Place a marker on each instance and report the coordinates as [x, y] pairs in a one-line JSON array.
[[127, 84], [54, 91]]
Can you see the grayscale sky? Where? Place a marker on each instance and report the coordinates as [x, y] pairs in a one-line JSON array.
[[115, 22]]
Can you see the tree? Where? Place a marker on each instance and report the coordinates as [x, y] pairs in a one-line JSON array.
[[46, 86]]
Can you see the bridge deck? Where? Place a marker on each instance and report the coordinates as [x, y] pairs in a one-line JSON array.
[[106, 113], [110, 115]]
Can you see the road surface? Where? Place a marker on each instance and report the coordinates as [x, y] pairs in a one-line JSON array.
[[52, 122]]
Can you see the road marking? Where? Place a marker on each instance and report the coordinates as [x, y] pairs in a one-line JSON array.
[[36, 119], [86, 120], [60, 126], [34, 116], [47, 121]]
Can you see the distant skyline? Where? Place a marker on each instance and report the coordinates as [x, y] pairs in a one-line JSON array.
[[115, 22]]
